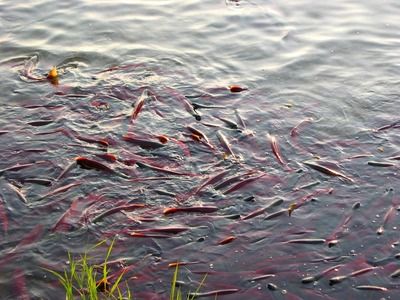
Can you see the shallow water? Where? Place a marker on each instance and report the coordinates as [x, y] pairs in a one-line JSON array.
[[322, 80]]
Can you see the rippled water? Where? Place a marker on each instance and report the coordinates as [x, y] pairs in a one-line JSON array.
[[322, 82]]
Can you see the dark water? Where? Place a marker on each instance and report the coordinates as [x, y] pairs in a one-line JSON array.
[[323, 82]]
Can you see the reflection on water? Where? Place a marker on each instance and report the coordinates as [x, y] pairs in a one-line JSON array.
[[180, 168]]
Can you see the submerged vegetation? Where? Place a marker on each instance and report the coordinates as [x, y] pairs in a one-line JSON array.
[[85, 280]]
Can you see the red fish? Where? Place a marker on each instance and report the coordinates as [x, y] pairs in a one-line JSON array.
[[139, 104], [236, 89], [200, 209], [87, 163], [275, 149], [227, 240]]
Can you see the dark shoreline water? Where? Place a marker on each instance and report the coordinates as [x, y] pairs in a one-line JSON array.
[[316, 133]]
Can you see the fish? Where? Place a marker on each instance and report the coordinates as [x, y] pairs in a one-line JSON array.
[[18, 167], [395, 124], [227, 240], [260, 277], [295, 130], [139, 104], [165, 229], [243, 183], [201, 135], [275, 149], [141, 142], [211, 180], [231, 124], [20, 195], [215, 293], [276, 214], [225, 144], [306, 241], [262, 210], [371, 288], [389, 214], [128, 207], [164, 170], [338, 279], [186, 103], [201, 209], [149, 235], [90, 164], [395, 274], [327, 171], [318, 276], [40, 122], [60, 189], [380, 164], [236, 89]]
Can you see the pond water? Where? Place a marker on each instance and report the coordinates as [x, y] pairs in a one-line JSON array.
[[141, 139]]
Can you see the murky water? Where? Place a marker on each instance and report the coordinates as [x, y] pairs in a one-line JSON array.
[[315, 133]]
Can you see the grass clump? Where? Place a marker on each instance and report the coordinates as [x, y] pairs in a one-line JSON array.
[[86, 281], [89, 281]]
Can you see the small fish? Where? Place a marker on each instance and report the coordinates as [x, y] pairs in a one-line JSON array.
[[211, 180], [395, 274], [243, 183], [201, 135], [275, 149], [20, 195], [225, 144], [164, 170], [276, 214], [227, 240], [40, 122], [215, 293], [261, 277], [166, 229], [326, 170], [231, 124], [114, 210], [389, 126], [295, 130], [17, 167], [319, 275], [371, 288], [146, 235], [143, 143], [139, 104], [61, 189], [201, 209], [337, 279], [90, 164], [389, 214], [306, 241], [262, 210], [380, 164]]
